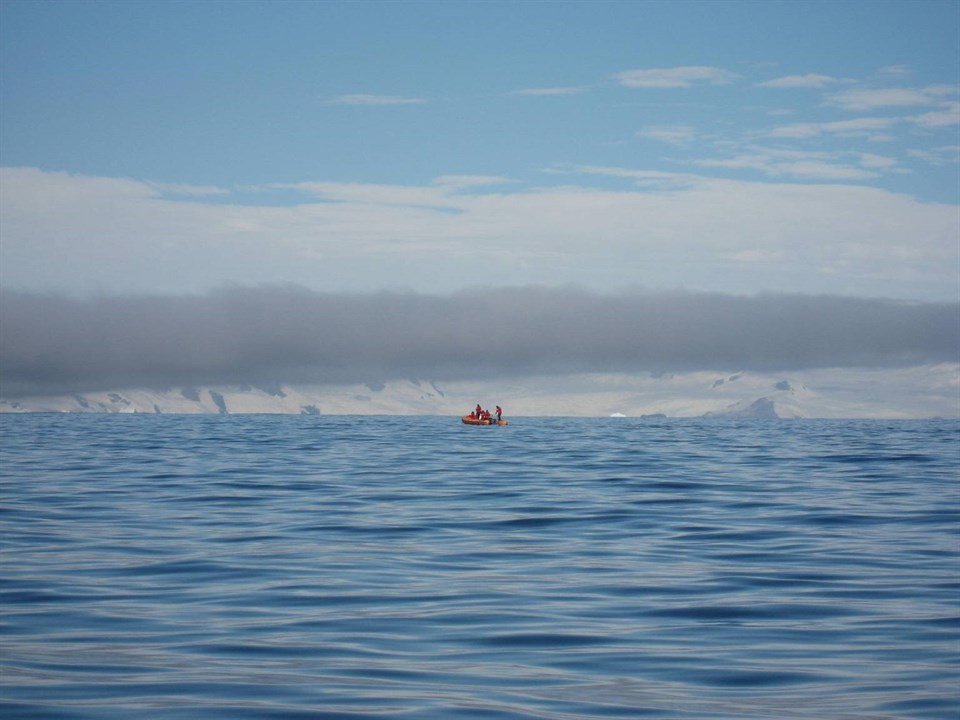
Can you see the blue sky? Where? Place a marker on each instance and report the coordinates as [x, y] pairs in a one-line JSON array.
[[736, 147], [243, 93]]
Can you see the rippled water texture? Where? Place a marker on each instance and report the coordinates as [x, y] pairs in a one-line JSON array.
[[323, 567]]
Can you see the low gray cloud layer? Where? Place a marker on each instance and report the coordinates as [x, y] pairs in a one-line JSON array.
[[268, 335]]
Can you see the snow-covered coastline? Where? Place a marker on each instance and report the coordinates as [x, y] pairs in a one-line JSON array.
[[917, 392]]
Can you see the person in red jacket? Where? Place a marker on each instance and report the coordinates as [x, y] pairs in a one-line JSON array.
[[499, 413]]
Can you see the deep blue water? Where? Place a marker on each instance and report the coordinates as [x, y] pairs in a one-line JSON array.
[[349, 567]]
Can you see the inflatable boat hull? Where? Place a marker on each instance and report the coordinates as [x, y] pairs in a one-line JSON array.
[[467, 420]]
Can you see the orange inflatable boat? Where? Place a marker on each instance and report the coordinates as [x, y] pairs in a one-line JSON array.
[[467, 420]]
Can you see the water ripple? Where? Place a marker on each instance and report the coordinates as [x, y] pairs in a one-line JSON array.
[[322, 567]]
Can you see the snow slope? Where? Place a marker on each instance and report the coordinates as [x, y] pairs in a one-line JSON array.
[[928, 391]]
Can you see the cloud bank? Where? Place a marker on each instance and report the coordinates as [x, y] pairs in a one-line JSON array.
[[78, 234], [264, 336]]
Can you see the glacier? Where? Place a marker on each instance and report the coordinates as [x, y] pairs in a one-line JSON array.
[[913, 392]]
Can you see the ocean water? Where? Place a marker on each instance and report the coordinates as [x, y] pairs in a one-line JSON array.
[[357, 567]]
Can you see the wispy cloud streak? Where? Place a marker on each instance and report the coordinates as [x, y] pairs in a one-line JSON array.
[[810, 80], [872, 99], [549, 91], [374, 100], [676, 77]]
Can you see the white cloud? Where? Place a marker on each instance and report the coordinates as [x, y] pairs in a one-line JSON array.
[[896, 71], [800, 169], [942, 90], [663, 230], [809, 80], [944, 155], [373, 194], [189, 190], [821, 171], [677, 77], [547, 91], [859, 126], [947, 116], [872, 99], [651, 179], [675, 135], [463, 181], [361, 99], [876, 161], [778, 162]]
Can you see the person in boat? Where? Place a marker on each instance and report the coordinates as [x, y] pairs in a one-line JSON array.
[[478, 412], [499, 413], [485, 415]]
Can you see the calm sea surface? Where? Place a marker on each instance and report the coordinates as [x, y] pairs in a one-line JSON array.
[[356, 567]]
